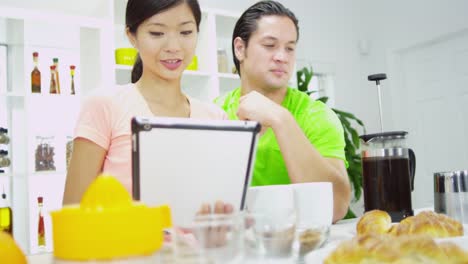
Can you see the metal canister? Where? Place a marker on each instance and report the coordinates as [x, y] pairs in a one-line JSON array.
[[451, 194]]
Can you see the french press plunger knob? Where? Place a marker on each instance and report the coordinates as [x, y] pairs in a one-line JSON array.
[[377, 78]]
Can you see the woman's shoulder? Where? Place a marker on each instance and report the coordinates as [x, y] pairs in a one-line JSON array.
[[205, 110]]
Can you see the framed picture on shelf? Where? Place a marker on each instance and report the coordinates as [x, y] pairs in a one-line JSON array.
[[3, 68]]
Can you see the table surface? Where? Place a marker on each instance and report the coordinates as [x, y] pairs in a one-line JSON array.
[[340, 231], [343, 230]]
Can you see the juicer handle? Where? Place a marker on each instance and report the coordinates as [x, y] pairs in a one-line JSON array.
[[412, 164]]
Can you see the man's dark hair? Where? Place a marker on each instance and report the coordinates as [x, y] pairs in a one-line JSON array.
[[247, 23]]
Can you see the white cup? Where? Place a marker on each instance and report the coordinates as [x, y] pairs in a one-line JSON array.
[[314, 203], [270, 199], [314, 206]]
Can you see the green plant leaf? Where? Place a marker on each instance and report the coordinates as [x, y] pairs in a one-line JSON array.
[[300, 81], [308, 75], [304, 76], [349, 115], [356, 139], [324, 99], [350, 214], [344, 120]]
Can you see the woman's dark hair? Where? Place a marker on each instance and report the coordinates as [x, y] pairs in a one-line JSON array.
[[247, 23], [139, 10]]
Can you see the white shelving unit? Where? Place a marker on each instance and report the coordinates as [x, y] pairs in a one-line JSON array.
[[79, 36], [85, 35]]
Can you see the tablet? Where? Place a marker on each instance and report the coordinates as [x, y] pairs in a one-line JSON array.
[[187, 162]]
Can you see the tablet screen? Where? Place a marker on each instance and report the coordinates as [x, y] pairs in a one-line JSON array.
[[187, 164]]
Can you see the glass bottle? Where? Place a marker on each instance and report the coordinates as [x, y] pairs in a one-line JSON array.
[[4, 139], [41, 242], [53, 82], [57, 79], [72, 73], [6, 215], [35, 75], [4, 160], [222, 61]]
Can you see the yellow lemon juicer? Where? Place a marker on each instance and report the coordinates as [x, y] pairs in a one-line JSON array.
[[107, 224]]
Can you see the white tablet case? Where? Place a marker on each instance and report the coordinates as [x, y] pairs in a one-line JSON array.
[[186, 162]]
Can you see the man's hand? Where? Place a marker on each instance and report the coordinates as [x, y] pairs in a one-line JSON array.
[[257, 107]]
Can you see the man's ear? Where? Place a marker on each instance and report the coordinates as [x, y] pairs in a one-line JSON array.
[[239, 48], [131, 37]]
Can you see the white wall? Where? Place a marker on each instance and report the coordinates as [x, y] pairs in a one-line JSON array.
[[2, 31], [388, 26]]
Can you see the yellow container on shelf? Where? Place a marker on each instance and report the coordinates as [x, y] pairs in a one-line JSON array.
[[193, 66], [107, 225], [126, 56]]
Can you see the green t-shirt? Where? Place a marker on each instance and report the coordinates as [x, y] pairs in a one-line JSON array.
[[318, 122]]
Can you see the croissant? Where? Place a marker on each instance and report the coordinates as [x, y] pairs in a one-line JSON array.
[[427, 222], [374, 222], [455, 253], [374, 248], [433, 224]]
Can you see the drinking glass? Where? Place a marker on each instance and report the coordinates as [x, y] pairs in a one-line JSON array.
[[211, 238], [270, 222]]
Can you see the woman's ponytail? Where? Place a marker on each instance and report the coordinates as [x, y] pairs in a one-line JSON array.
[[137, 70]]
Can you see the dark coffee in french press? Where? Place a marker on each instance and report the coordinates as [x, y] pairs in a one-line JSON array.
[[388, 168]]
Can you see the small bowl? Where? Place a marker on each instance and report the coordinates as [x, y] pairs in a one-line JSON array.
[[125, 56]]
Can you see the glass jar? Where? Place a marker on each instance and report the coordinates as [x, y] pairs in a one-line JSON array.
[[4, 160], [44, 154], [68, 150], [4, 139]]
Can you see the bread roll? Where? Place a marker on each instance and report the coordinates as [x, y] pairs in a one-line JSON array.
[[374, 222], [410, 241], [429, 223], [455, 253], [374, 248]]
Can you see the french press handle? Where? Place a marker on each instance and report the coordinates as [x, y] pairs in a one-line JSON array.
[[412, 164]]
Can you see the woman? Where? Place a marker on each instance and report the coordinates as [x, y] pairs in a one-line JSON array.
[[165, 34]]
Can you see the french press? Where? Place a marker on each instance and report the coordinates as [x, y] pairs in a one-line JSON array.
[[388, 168]]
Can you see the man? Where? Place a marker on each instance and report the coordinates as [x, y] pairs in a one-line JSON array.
[[302, 139]]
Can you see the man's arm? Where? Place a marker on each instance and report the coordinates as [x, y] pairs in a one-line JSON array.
[[306, 164], [303, 161]]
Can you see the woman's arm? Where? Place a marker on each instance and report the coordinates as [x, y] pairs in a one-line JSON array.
[[85, 165]]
